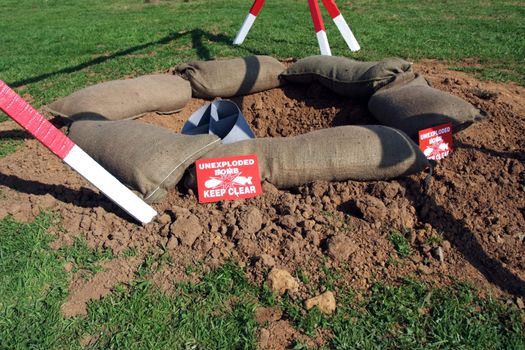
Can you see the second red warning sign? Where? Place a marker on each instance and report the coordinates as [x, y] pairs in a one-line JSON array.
[[436, 142], [228, 178]]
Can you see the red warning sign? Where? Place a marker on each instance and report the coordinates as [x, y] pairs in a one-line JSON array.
[[228, 178], [436, 142]]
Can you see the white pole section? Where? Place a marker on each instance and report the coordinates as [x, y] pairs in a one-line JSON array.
[[63, 147]]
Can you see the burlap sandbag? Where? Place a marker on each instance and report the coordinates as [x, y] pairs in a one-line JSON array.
[[149, 159], [414, 105], [232, 77], [345, 76], [335, 154], [125, 99]]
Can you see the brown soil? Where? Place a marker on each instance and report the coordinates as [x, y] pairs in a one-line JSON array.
[[475, 203], [81, 291]]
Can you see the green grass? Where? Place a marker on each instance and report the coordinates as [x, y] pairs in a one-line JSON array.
[[413, 316], [32, 284], [214, 314], [401, 244], [8, 146], [52, 48], [218, 312]]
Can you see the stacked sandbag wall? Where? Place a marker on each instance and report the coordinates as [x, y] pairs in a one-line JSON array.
[[152, 160], [397, 97]]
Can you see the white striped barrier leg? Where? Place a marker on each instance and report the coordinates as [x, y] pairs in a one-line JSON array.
[[63, 147], [248, 22], [320, 31], [341, 24]]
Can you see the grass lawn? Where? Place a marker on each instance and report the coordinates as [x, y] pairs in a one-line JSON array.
[[218, 312], [52, 48]]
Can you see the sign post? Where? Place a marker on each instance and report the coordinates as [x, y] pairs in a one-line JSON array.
[[64, 148]]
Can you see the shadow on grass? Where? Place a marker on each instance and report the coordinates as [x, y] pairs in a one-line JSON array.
[[196, 35], [85, 197], [464, 240], [14, 135]]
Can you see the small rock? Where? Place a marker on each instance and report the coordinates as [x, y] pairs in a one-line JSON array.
[[438, 254], [289, 221], [325, 302], [387, 189], [280, 281], [340, 247], [407, 217], [269, 188], [520, 303], [186, 229], [68, 266], [163, 219], [172, 243], [372, 208], [425, 270], [250, 221], [180, 211], [446, 245], [164, 232], [247, 246], [267, 260]]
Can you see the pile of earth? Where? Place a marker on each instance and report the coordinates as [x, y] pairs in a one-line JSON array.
[[468, 225]]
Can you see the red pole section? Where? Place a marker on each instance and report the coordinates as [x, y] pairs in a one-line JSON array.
[[248, 22], [28, 118], [256, 7], [316, 15], [332, 8], [58, 143]]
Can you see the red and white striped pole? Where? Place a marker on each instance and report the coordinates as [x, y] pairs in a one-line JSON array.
[[341, 24], [319, 28], [62, 146], [248, 22]]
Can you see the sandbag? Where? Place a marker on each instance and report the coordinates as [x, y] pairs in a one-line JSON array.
[[125, 99], [345, 76], [149, 159], [335, 154], [232, 77], [414, 105]]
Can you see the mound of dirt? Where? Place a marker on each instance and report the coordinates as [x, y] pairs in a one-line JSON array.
[[468, 225]]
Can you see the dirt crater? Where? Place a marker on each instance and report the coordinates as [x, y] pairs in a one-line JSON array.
[[469, 225]]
